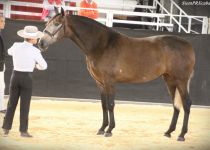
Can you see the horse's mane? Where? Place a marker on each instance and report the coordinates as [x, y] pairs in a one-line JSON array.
[[87, 21], [92, 23], [95, 29]]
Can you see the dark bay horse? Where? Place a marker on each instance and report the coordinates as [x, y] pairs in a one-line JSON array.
[[116, 58]]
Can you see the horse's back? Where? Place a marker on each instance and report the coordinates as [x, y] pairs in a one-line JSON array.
[[144, 59]]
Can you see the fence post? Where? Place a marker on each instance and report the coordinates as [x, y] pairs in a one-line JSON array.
[[189, 25], [7, 9], [205, 25], [158, 21], [180, 21], [171, 12], [109, 19], [208, 27]]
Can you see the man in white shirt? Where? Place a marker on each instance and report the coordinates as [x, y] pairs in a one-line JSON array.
[[26, 57]]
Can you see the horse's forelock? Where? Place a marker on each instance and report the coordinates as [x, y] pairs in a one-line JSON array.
[[51, 19]]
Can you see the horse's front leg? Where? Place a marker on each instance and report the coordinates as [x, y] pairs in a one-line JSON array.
[[105, 114], [111, 105]]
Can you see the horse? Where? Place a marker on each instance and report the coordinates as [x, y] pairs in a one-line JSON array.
[[113, 58]]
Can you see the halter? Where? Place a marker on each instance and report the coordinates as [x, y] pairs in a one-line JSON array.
[[54, 33]]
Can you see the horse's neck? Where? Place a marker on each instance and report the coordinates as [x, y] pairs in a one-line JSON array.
[[81, 44], [87, 37], [84, 37]]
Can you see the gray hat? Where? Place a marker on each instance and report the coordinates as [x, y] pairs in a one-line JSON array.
[[30, 32]]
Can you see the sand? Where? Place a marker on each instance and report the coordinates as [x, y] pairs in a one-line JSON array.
[[72, 125]]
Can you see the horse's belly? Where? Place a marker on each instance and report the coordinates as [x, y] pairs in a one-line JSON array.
[[138, 75], [137, 79]]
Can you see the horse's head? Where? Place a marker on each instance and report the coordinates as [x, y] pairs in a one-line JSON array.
[[53, 31]]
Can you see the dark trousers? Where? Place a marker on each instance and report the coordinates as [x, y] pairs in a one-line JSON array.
[[20, 87]]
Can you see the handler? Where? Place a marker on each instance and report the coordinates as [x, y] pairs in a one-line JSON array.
[[2, 66], [26, 57]]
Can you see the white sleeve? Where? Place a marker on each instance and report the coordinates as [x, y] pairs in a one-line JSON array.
[[40, 62], [11, 49]]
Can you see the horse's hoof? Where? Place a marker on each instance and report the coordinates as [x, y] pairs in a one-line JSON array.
[[108, 134], [100, 132], [180, 139], [167, 135]]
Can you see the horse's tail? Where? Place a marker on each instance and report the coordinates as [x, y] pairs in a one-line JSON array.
[[188, 83], [177, 99]]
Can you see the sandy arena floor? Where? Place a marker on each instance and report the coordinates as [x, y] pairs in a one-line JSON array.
[[72, 125]]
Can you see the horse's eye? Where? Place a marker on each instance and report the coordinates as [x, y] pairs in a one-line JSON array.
[[56, 24]]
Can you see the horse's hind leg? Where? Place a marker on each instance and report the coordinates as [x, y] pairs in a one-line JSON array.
[[186, 102], [172, 89]]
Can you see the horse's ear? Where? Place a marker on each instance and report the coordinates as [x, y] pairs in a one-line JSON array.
[[56, 10], [62, 11]]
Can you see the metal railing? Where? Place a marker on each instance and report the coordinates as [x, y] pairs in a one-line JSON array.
[[107, 16], [177, 19], [127, 5]]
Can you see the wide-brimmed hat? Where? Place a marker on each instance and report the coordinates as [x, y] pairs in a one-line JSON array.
[[30, 32]]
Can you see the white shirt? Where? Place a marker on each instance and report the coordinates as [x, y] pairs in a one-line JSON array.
[[26, 56]]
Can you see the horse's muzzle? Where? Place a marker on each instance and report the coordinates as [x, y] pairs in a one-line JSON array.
[[43, 46]]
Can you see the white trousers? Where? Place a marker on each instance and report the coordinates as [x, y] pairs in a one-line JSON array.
[[2, 86]]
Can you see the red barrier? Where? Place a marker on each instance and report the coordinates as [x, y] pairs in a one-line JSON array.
[[28, 9]]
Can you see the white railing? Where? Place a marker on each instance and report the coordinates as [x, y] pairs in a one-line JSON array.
[[107, 16], [127, 5], [177, 18]]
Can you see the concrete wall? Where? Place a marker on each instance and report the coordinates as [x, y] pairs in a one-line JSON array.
[[67, 75]]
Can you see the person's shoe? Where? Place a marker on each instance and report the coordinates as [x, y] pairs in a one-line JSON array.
[[3, 111], [5, 132], [25, 134]]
